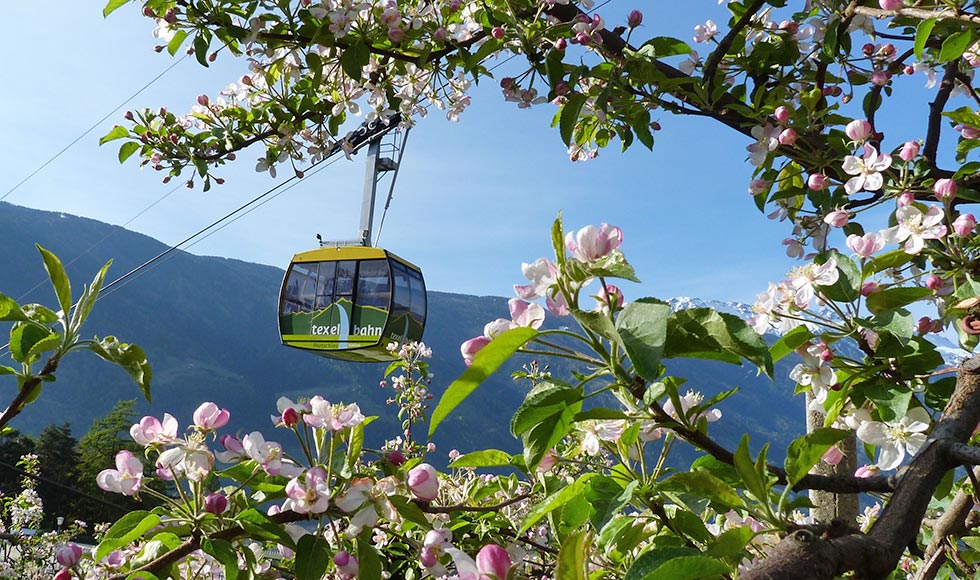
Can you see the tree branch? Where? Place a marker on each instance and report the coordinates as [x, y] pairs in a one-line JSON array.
[[920, 13], [936, 113], [714, 59]]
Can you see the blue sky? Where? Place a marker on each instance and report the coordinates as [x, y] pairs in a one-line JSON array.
[[474, 199]]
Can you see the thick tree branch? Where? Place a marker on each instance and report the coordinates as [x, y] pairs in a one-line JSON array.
[[936, 108], [714, 59], [953, 522]]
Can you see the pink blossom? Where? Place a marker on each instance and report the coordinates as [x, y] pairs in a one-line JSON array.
[[933, 282], [542, 273], [964, 224], [782, 114], [890, 4], [836, 219], [209, 417], [788, 136], [866, 245], [150, 431], [832, 456], [968, 132], [705, 32], [526, 314], [215, 503], [866, 471], [914, 227], [817, 182], [925, 325], [866, 170], [233, 449], [905, 198], [607, 295], [557, 304], [757, 186], [548, 461], [910, 150], [126, 479], [63, 574], [591, 243], [68, 555], [423, 482], [805, 279], [880, 78], [311, 496], [289, 417], [472, 346], [869, 288], [493, 559], [858, 130], [268, 454], [944, 189], [794, 249], [347, 565]]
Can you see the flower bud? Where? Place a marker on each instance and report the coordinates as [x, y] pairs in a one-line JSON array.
[[858, 130], [561, 44], [148, 12], [757, 186], [816, 182], [787, 137], [215, 503], [905, 199], [909, 151], [63, 574], [493, 559], [634, 19], [836, 219], [869, 288], [423, 482], [202, 100], [909, 70], [128, 116], [497, 32], [440, 34], [868, 48], [866, 471], [782, 114], [68, 555], [890, 4], [925, 325], [427, 558], [933, 282], [964, 224], [944, 189], [395, 457], [880, 78], [290, 417], [472, 346]]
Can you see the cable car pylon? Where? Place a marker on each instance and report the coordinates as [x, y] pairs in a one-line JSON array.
[[346, 299]]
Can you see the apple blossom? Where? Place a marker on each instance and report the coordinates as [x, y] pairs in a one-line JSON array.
[[794, 248], [858, 130], [944, 189], [591, 243], [925, 325], [890, 4], [787, 137], [607, 295], [557, 304], [690, 400], [832, 456], [933, 282], [324, 415], [312, 496], [494, 561], [968, 132], [866, 170], [63, 574], [867, 245], [894, 440], [914, 227], [836, 219], [526, 314], [209, 417], [593, 432], [126, 479], [268, 454], [905, 198], [767, 139], [817, 182], [423, 482], [346, 564], [909, 151], [368, 500], [634, 19], [757, 186], [233, 449], [782, 114], [68, 555], [150, 431], [542, 273], [190, 459], [814, 373], [964, 224], [215, 503], [472, 346], [804, 280], [705, 32]]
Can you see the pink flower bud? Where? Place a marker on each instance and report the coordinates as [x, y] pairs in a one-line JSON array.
[[219, 180], [836, 219], [858, 130], [944, 189], [395, 457], [506, 83], [868, 48], [561, 44], [209, 417], [787, 137], [925, 325], [427, 558], [869, 288], [202, 100], [492, 559], [215, 503], [346, 564], [63, 574], [905, 199], [832, 456], [968, 132], [634, 19], [455, 4], [497, 32], [880, 78], [548, 461], [816, 182], [909, 151], [964, 224], [246, 80], [909, 70], [933, 282], [782, 114], [396, 34], [128, 116], [440, 34], [232, 444], [68, 555], [866, 471], [890, 4], [471, 347], [423, 482], [289, 417], [148, 12], [757, 186]]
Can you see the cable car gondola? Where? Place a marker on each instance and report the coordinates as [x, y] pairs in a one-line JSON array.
[[348, 300]]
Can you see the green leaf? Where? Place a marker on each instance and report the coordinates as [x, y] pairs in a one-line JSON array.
[[702, 484], [922, 32], [895, 298], [112, 6], [127, 149], [558, 240], [129, 528], [705, 333], [88, 299], [546, 434], [803, 453], [573, 557], [46, 344], [117, 132], [178, 39], [313, 555], [688, 568], [649, 561], [554, 501], [643, 327], [24, 337], [485, 363], [892, 403], [408, 510], [848, 285], [664, 46], [569, 116], [59, 279], [10, 311], [608, 498], [612, 265], [601, 414], [354, 59], [545, 400], [730, 542], [130, 357], [485, 458], [955, 45], [597, 323], [892, 259], [899, 322], [259, 526], [789, 342], [7, 370], [369, 563], [223, 552], [355, 445], [746, 468]]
